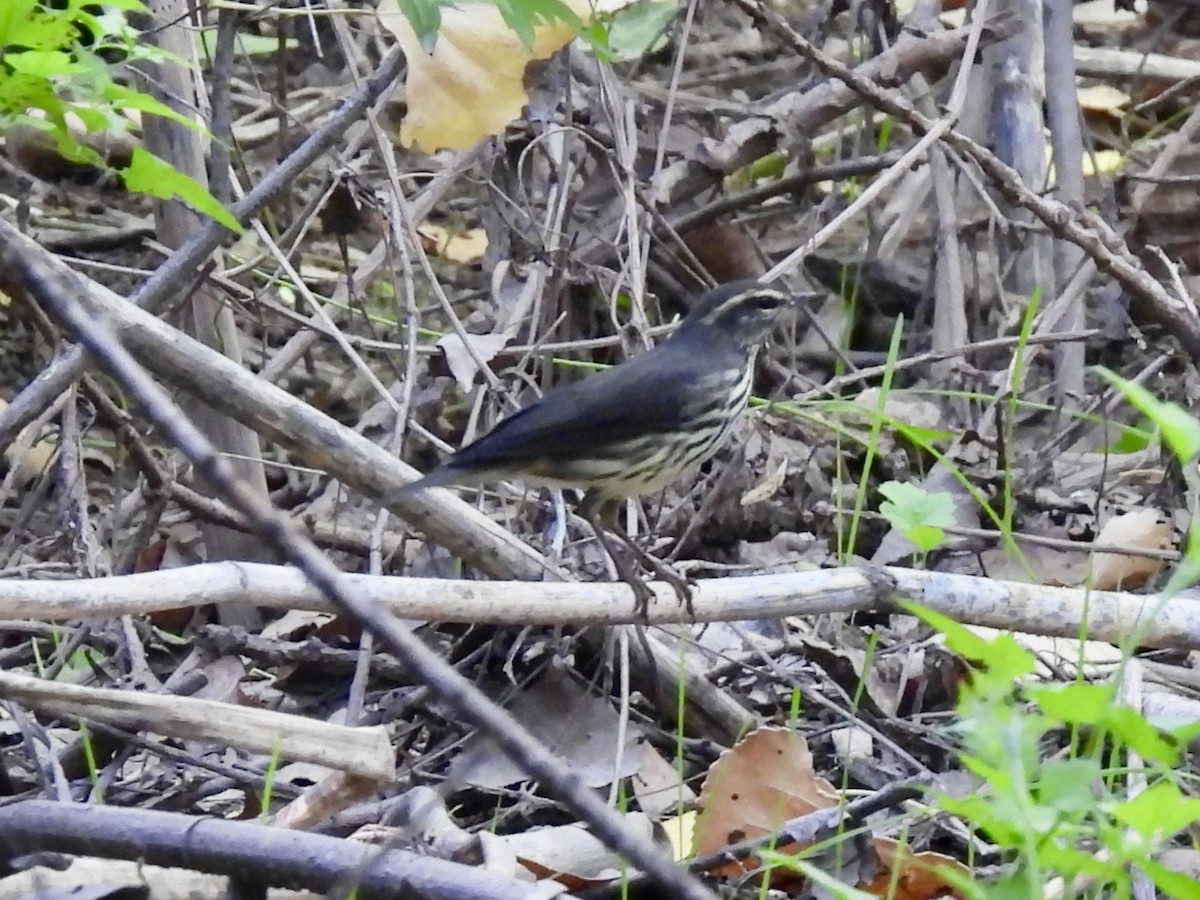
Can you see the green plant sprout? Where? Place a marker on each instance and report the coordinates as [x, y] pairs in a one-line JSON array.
[[89, 758], [269, 776], [917, 514], [1061, 816]]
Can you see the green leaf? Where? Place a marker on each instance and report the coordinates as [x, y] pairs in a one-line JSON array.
[[595, 36], [1074, 703], [425, 17], [26, 26], [97, 119], [127, 98], [639, 29], [1004, 658], [522, 16], [42, 63], [1142, 737], [127, 5], [1188, 571], [1070, 859], [13, 13], [22, 92], [919, 435], [150, 175], [1068, 785], [1180, 429], [1158, 812], [1174, 884], [1131, 439], [916, 513]]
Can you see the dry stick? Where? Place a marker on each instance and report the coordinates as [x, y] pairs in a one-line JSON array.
[[358, 751], [171, 278], [972, 600], [270, 856], [1099, 242], [731, 203], [832, 387], [280, 532]]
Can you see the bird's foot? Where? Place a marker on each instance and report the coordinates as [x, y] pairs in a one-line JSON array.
[[627, 570], [628, 573], [642, 595], [666, 572]]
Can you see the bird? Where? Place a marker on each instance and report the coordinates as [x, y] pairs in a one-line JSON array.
[[635, 427]]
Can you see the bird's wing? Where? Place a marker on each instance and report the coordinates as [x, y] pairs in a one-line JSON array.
[[617, 403]]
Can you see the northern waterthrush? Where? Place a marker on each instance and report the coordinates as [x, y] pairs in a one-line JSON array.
[[636, 427]]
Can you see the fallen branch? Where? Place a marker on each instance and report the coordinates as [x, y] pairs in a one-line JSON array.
[[360, 751], [1035, 609], [254, 854]]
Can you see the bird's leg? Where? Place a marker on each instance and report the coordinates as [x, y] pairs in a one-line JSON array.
[[663, 570], [594, 509]]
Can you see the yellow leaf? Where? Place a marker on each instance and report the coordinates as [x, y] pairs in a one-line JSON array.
[[460, 247], [471, 85], [1102, 98]]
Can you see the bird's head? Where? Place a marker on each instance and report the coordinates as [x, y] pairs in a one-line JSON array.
[[745, 311]]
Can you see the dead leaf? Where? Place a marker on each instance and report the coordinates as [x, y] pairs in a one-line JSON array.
[[295, 624], [457, 246], [28, 458], [1139, 529], [461, 355], [576, 725], [658, 785], [472, 84], [754, 787], [1103, 98], [766, 779], [572, 855], [768, 487], [902, 406], [917, 878]]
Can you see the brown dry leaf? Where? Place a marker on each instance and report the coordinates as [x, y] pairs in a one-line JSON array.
[[918, 878], [754, 787], [1034, 564], [457, 246], [902, 407], [471, 85], [768, 778], [1140, 529], [659, 785]]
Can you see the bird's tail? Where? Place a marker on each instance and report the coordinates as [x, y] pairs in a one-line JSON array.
[[442, 476]]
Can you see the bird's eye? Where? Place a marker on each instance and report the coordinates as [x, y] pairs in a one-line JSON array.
[[766, 302]]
